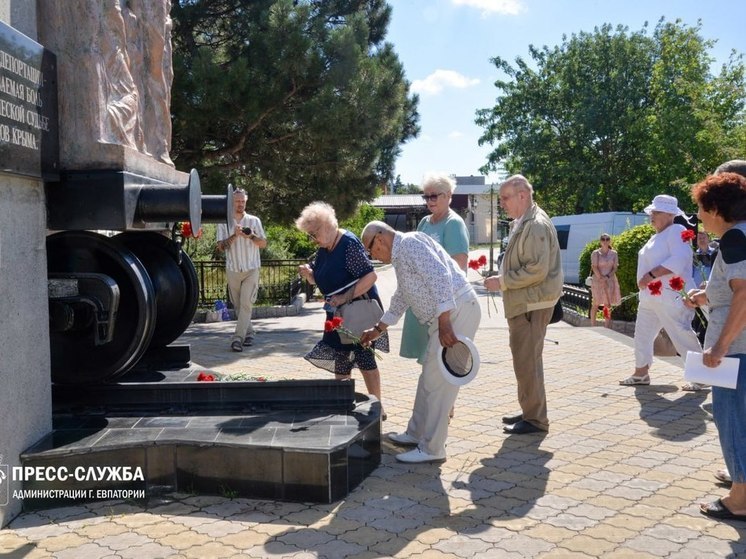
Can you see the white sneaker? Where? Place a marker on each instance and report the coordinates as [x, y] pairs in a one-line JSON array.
[[403, 438], [417, 456]]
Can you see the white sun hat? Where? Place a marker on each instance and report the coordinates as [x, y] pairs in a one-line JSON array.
[[459, 363], [666, 204]]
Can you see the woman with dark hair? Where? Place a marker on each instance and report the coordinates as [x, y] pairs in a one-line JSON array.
[[721, 200]]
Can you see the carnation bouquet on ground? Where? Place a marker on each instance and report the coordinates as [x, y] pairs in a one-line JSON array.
[[205, 376]]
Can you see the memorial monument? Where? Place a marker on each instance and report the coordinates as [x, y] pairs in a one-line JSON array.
[[84, 146]]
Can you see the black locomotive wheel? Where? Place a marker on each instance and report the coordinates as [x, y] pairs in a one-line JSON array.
[[174, 280], [76, 359]]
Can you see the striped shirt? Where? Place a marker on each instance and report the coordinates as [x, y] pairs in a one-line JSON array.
[[243, 254]]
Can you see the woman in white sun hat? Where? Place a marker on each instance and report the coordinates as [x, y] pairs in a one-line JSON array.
[[666, 255]]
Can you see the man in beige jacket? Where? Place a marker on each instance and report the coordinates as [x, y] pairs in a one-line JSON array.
[[530, 278]]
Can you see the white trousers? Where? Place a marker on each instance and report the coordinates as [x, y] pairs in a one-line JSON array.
[[674, 318], [435, 395]]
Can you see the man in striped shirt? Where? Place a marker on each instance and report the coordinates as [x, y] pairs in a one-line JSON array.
[[242, 263]]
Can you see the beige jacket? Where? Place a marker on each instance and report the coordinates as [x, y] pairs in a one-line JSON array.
[[531, 269]]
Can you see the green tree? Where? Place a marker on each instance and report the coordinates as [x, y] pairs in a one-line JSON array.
[[293, 100], [608, 119]]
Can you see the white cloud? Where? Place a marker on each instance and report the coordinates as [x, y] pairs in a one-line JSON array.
[[440, 79], [456, 135], [504, 7]]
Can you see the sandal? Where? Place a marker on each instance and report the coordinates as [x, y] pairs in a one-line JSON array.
[[723, 475], [635, 381], [694, 387], [237, 345]]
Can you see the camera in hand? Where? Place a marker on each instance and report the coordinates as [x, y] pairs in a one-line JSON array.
[[246, 230]]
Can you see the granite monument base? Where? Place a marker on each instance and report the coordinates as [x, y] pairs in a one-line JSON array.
[[155, 432]]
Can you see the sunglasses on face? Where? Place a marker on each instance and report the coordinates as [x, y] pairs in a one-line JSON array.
[[431, 197], [605, 239]]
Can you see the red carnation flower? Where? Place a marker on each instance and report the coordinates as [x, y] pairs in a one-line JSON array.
[[482, 260], [204, 377], [186, 229], [337, 321], [687, 235], [676, 283], [655, 287], [474, 264], [328, 326], [607, 313]]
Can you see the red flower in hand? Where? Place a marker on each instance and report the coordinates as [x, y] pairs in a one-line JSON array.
[[607, 313], [655, 287], [204, 377], [687, 235], [328, 326], [337, 321], [482, 260], [474, 265], [676, 283]]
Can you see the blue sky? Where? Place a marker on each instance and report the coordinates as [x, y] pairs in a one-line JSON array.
[[446, 46]]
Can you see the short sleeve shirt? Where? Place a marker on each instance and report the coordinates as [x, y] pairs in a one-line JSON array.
[[719, 293], [243, 254], [450, 233]]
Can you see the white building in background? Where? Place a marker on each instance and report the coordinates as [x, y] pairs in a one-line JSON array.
[[474, 200]]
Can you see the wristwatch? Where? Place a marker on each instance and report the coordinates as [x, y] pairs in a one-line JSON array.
[[378, 328]]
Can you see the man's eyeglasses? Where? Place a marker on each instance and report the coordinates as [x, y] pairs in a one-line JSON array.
[[369, 247], [431, 197]]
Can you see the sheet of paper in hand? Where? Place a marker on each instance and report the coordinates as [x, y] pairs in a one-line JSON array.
[[725, 374]]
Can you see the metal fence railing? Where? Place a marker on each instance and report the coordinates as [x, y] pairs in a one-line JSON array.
[[576, 298], [279, 282]]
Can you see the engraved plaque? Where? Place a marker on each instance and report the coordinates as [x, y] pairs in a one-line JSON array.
[[29, 141]]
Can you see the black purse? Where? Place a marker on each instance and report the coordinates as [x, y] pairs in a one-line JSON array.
[[557, 312]]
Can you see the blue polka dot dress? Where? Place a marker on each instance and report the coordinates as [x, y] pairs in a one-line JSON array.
[[333, 270]]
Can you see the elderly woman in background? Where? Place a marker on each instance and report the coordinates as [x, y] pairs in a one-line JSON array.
[[343, 273], [666, 255], [447, 229], [605, 287], [722, 210]]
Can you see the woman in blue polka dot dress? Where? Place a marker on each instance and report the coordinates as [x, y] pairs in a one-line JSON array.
[[343, 272]]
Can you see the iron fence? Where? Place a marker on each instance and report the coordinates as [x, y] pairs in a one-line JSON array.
[[576, 298], [279, 282]]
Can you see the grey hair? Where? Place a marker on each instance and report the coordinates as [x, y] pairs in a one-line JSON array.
[[518, 181], [375, 227], [733, 166], [316, 214], [440, 182]]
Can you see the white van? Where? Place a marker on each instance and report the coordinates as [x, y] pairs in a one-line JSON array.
[[576, 231]]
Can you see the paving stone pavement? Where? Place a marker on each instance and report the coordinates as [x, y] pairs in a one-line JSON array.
[[619, 475]]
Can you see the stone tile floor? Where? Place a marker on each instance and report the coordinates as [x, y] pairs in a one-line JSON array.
[[619, 475]]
